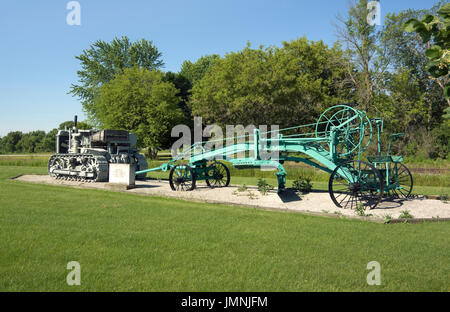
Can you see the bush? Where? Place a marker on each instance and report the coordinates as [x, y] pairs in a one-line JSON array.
[[302, 185], [442, 140]]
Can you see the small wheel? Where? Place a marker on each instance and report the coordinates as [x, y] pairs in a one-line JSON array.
[[356, 183], [404, 181], [182, 178], [220, 175]]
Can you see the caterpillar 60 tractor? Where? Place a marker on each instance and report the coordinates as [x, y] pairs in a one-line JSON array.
[[85, 155]]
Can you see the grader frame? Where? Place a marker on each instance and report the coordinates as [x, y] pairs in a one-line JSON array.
[[335, 145]]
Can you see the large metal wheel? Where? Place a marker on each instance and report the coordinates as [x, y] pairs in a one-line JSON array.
[[353, 126], [356, 183], [220, 175], [182, 178], [402, 178]]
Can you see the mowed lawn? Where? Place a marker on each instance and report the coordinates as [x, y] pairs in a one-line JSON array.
[[127, 242]]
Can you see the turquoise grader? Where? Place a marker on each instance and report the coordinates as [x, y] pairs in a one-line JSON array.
[[334, 144]]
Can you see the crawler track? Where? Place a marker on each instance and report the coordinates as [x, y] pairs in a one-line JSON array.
[[78, 167]]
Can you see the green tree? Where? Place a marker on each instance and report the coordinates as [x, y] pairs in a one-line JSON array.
[[284, 86], [82, 125], [407, 50], [184, 87], [194, 71], [403, 107], [141, 101], [48, 142], [435, 31], [30, 141], [102, 61], [365, 68], [442, 137], [8, 144]]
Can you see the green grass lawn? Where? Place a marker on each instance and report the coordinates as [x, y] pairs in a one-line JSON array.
[[138, 243]]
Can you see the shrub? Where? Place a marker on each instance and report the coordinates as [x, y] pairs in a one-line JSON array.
[[302, 185], [264, 187]]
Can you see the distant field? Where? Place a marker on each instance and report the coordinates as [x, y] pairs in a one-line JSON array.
[[139, 243], [24, 160]]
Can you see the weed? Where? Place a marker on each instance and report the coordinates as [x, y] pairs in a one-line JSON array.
[[387, 218], [251, 195], [242, 188], [360, 211], [264, 187], [405, 214]]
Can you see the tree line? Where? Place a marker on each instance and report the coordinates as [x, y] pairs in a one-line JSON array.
[[387, 70], [35, 141]]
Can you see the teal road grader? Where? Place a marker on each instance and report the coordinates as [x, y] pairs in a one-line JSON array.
[[334, 144]]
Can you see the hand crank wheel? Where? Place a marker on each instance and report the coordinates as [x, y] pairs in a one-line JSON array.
[[353, 126]]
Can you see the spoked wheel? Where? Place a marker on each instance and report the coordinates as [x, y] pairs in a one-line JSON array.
[[403, 180], [220, 175], [353, 127], [356, 183], [182, 178]]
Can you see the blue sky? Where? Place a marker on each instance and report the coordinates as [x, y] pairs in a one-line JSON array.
[[37, 47]]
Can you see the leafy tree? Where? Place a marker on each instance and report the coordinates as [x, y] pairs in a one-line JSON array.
[[82, 125], [30, 141], [435, 30], [141, 101], [8, 144], [361, 41], [442, 137], [194, 71], [407, 50], [284, 86], [184, 86], [48, 142], [403, 108], [102, 61]]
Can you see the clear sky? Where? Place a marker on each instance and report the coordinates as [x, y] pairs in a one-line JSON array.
[[37, 46]]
